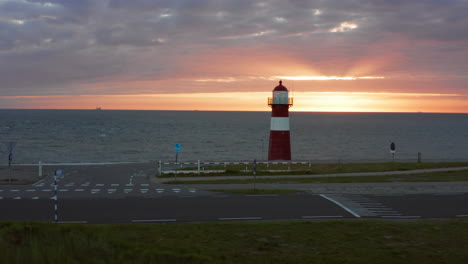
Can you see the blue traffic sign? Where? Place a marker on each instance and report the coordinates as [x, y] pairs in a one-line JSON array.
[[178, 147]]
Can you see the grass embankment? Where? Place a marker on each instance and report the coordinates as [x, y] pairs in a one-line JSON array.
[[419, 177], [258, 191], [271, 242], [322, 168]]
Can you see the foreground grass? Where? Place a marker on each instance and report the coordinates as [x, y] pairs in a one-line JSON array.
[[271, 242], [445, 176], [325, 168], [258, 191]]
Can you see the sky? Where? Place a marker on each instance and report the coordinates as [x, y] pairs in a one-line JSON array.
[[228, 55]]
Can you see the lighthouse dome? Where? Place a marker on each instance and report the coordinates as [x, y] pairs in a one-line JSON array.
[[280, 87]]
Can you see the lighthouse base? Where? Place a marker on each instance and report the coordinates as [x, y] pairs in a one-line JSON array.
[[280, 145]]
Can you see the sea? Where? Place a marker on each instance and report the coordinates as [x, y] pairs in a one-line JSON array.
[[58, 136]]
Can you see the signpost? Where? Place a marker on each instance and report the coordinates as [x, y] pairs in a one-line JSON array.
[[177, 149], [392, 150], [56, 174]]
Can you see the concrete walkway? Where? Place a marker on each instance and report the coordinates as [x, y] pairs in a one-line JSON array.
[[184, 178]]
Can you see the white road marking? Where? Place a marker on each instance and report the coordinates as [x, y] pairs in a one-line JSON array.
[[143, 190], [115, 184], [154, 220], [85, 184], [100, 184], [192, 190], [63, 190], [321, 216], [401, 216], [128, 190], [159, 190], [70, 184], [72, 222], [46, 190], [79, 190], [262, 195], [129, 184], [35, 198], [17, 198], [111, 190], [14, 190], [32, 190], [1, 198], [176, 190], [239, 218], [144, 184], [95, 190], [341, 205]]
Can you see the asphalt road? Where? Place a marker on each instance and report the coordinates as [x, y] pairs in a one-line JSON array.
[[124, 194], [230, 207]]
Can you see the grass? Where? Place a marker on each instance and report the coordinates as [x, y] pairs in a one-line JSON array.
[[419, 177], [325, 168], [252, 242], [258, 191]]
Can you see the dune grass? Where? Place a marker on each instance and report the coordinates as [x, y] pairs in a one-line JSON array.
[[444, 176], [234, 242]]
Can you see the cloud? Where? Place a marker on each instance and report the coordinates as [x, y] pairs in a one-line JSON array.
[[59, 46]]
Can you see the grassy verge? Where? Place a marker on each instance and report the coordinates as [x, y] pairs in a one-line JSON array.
[[258, 191], [271, 242], [420, 177], [325, 168]]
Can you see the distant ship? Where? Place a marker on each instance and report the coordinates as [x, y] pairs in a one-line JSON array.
[[98, 108]]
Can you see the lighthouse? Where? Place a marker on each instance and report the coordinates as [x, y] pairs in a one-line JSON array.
[[280, 144]]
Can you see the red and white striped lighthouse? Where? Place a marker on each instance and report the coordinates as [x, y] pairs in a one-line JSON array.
[[280, 144]]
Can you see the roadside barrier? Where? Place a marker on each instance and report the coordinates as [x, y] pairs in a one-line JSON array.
[[201, 166]]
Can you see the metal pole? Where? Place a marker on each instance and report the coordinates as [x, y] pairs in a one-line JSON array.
[[198, 167], [55, 199]]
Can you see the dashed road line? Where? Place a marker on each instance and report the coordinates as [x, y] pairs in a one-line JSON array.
[[35, 198], [401, 216], [341, 205], [153, 220], [46, 190], [79, 190], [128, 190], [159, 190], [144, 184], [176, 190], [72, 222], [17, 198], [261, 195], [99, 184], [63, 190], [31, 190], [14, 190], [143, 190], [239, 218], [115, 184], [321, 216]]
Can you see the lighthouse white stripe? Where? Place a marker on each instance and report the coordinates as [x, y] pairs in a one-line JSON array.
[[279, 123]]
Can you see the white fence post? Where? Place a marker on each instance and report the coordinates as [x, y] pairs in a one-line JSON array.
[[159, 167], [40, 169]]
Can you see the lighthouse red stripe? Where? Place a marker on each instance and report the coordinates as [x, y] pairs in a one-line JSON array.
[[280, 111], [280, 145]]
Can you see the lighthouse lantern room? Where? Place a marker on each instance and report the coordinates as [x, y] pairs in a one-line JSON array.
[[280, 145]]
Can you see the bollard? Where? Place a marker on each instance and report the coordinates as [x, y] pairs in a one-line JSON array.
[[40, 169], [419, 157]]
